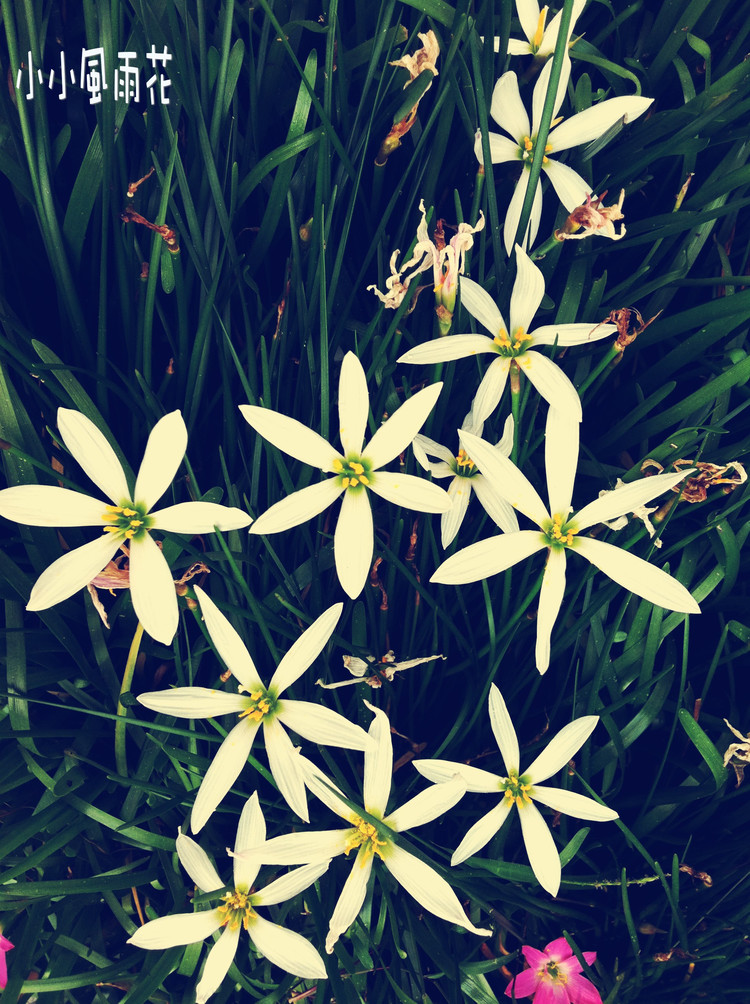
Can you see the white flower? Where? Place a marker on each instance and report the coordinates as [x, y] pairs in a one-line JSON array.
[[560, 532], [522, 790], [127, 517], [418, 878], [466, 476], [287, 950], [641, 512], [541, 38], [513, 346], [259, 705], [355, 469], [508, 111]]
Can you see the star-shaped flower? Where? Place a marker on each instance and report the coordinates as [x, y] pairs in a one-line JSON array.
[[560, 532], [466, 476], [554, 976], [5, 946], [512, 346], [259, 705], [287, 950], [355, 469], [522, 790], [418, 878], [541, 38], [126, 518], [508, 111]]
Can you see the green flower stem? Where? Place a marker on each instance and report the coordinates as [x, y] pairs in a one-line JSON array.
[[609, 358], [122, 713], [540, 141], [545, 248], [515, 404]]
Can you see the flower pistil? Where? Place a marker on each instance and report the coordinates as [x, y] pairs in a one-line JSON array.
[[259, 704], [129, 520], [237, 909], [364, 834], [517, 789], [353, 472]]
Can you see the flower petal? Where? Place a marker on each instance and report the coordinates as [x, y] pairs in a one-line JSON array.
[[508, 110], [283, 759], [71, 572], [528, 14], [561, 748], [199, 517], [225, 768], [594, 122], [540, 92], [482, 307], [217, 964], [635, 574], [571, 334], [305, 650], [290, 436], [490, 390], [549, 40], [228, 644], [289, 885], [570, 187], [551, 383], [525, 985], [572, 804], [197, 864], [286, 949], [354, 405], [165, 450], [459, 492], [298, 507], [482, 831], [351, 899], [550, 601], [94, 454], [488, 557], [152, 589], [322, 725], [561, 444], [397, 433], [428, 888], [378, 764], [505, 478], [528, 291], [513, 215], [502, 149], [442, 771], [410, 492], [496, 507], [427, 805], [626, 499], [502, 729], [540, 847], [193, 702], [423, 447], [302, 847], [251, 833], [324, 789], [445, 350], [581, 990], [48, 505], [179, 929], [354, 542]]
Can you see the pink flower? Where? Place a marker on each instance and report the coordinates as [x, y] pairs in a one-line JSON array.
[[5, 946], [553, 976]]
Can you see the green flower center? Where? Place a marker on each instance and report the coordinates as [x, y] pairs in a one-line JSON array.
[[465, 466], [526, 151], [552, 972], [259, 704], [560, 534], [237, 909], [512, 345], [364, 834], [129, 520], [353, 472], [517, 789]]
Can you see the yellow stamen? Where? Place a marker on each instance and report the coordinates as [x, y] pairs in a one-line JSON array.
[[337, 466], [528, 145], [129, 512], [111, 529], [365, 480], [357, 468], [539, 33], [346, 482]]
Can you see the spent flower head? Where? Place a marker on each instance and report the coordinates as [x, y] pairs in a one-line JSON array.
[[286, 949], [522, 789], [128, 518], [355, 470], [560, 532], [258, 705], [513, 345]]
